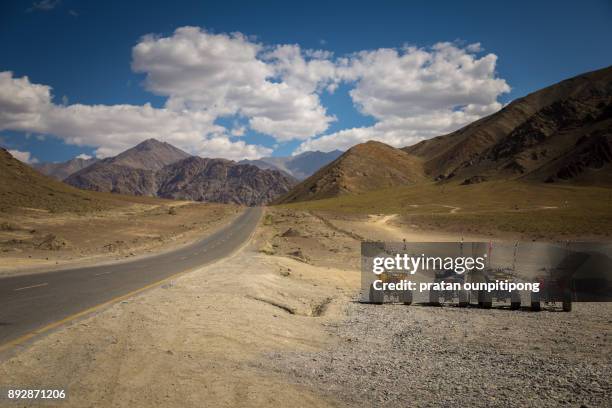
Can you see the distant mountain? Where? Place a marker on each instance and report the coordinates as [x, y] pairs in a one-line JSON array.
[[23, 187], [262, 164], [560, 133], [222, 181], [149, 155], [159, 169], [60, 171], [107, 176], [131, 172], [364, 167], [299, 166]]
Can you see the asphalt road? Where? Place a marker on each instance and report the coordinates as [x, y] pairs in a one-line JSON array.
[[31, 302]]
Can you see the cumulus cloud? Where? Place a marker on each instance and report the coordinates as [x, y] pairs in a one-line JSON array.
[[309, 70], [412, 93], [227, 74], [22, 103], [28, 107], [413, 81], [25, 157], [415, 93], [398, 132], [233, 150], [83, 156]]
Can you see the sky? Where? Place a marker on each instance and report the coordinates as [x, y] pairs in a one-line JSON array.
[[250, 79]]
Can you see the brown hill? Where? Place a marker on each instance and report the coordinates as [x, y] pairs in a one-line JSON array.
[[138, 172], [364, 167], [60, 171], [562, 132], [22, 186]]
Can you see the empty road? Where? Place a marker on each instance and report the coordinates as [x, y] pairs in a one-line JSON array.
[[31, 303]]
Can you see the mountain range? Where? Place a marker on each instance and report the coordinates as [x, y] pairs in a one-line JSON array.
[[300, 166], [60, 171], [560, 134], [154, 168]]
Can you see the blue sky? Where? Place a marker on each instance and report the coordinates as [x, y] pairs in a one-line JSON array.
[[83, 51]]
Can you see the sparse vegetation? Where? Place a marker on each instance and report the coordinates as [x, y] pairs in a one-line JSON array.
[[21, 187], [530, 209], [268, 220]]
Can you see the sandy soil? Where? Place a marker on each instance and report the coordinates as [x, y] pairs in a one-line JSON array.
[[37, 240], [277, 325], [197, 340]]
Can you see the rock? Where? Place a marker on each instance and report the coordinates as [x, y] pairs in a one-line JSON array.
[[473, 180], [299, 255], [290, 233]]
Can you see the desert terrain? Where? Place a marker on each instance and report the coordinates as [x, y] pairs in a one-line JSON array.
[[35, 239], [47, 224], [278, 321], [278, 324], [492, 210], [211, 204]]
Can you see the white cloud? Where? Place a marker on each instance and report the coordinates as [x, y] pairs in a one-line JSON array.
[[412, 93], [309, 70], [398, 132], [223, 147], [22, 103], [25, 157], [415, 93], [83, 156], [227, 75], [412, 81], [111, 128]]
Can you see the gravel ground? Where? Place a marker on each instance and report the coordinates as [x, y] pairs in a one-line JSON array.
[[393, 355]]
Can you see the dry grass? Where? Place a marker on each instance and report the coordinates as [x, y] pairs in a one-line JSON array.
[[533, 210], [21, 187]]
